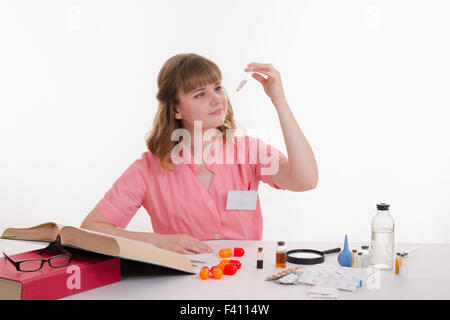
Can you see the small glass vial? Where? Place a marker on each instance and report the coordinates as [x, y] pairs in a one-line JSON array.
[[354, 262], [365, 256], [259, 258], [398, 262], [404, 267], [280, 258], [360, 260]]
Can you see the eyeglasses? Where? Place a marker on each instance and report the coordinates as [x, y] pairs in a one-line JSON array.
[[30, 265]]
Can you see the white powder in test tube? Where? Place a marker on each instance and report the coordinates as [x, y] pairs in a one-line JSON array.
[[242, 84]]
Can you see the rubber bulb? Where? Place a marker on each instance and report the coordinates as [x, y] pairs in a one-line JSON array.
[[345, 257]]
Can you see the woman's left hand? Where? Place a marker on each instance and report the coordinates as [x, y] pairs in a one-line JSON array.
[[272, 85]]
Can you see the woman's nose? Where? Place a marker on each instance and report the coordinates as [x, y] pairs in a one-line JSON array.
[[216, 98]]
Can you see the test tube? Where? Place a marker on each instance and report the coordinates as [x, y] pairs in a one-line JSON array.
[[243, 82], [398, 262]]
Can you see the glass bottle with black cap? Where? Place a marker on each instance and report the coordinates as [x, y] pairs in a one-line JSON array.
[[382, 245]]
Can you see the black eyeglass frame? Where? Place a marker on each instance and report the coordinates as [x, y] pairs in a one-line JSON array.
[[52, 246]]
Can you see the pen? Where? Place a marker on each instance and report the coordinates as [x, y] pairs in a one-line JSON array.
[[197, 261]]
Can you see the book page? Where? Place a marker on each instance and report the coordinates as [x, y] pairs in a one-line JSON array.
[[141, 251], [14, 247], [89, 240], [124, 248], [44, 232], [113, 236]]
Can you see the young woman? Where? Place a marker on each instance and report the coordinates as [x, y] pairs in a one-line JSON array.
[[195, 158]]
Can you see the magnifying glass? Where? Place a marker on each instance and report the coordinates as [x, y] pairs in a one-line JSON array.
[[308, 256]]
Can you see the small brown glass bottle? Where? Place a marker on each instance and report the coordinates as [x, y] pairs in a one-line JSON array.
[[260, 258], [281, 255]]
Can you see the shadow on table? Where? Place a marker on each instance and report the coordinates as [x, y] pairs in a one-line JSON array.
[[133, 269]]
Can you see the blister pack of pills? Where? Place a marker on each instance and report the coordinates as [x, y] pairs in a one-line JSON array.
[[290, 278], [282, 273], [331, 276]]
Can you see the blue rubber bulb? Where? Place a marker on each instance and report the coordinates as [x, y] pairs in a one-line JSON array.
[[345, 257]]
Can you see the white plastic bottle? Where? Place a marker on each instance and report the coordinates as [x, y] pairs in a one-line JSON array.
[[382, 251]]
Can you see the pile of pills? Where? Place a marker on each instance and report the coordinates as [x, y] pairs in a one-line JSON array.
[[226, 266]]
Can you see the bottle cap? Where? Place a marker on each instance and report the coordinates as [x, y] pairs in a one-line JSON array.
[[260, 248], [364, 247], [354, 251], [383, 206], [280, 243]]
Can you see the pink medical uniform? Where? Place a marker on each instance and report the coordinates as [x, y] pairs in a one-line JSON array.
[[179, 204]]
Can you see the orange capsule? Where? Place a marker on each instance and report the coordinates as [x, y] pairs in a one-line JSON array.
[[225, 253], [222, 266], [204, 273], [217, 273], [236, 263]]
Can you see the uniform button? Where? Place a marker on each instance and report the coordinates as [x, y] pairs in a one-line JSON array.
[[217, 236], [210, 202]]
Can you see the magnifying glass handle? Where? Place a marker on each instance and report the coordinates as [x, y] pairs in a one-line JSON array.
[[332, 250]]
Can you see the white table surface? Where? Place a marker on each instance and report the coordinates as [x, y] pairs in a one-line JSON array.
[[428, 276]]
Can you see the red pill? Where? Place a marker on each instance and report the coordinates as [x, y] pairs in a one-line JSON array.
[[229, 269], [238, 252]]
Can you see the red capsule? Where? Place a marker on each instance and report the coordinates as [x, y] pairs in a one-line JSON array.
[[236, 263], [229, 269], [238, 252]]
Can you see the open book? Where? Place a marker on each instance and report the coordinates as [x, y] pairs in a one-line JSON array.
[[102, 243]]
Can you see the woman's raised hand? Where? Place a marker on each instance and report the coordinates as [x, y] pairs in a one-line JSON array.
[[272, 84]]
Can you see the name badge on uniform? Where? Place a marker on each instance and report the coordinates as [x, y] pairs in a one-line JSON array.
[[242, 200]]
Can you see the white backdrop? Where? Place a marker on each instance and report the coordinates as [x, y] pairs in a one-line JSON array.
[[368, 82]]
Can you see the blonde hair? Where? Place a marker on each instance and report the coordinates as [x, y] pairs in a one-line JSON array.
[[182, 72]]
